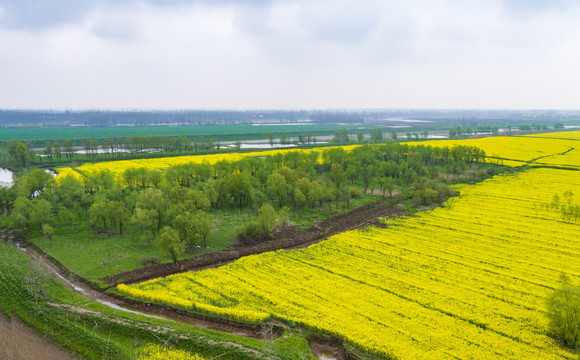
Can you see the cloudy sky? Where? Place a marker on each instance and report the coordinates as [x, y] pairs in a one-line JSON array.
[[248, 54]]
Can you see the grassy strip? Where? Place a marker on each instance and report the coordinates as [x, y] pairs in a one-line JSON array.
[[94, 331], [25, 291]]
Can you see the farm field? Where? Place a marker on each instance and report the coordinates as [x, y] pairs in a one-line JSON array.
[[518, 150], [465, 281], [222, 132], [510, 151]]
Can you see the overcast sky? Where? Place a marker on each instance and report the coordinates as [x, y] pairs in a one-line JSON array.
[[191, 54]]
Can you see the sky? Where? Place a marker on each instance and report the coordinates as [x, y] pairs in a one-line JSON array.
[[289, 54]]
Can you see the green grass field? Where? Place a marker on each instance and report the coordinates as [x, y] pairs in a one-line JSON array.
[[222, 132]]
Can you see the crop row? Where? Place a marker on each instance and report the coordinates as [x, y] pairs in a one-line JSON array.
[[465, 281]]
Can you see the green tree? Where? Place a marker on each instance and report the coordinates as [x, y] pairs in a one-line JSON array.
[[21, 153], [40, 212], [65, 216], [341, 136], [153, 199], [37, 181], [57, 150], [116, 212], [337, 175], [48, 150], [69, 149], [564, 314], [170, 242], [98, 214], [146, 220], [376, 135], [276, 186], [267, 219], [203, 226], [185, 226], [48, 232], [393, 134], [21, 213]]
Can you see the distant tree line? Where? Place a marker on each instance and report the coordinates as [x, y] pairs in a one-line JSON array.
[[460, 131]]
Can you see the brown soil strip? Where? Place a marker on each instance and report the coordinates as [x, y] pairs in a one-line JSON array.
[[289, 238], [19, 342]]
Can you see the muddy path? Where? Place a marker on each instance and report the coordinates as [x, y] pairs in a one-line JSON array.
[[19, 341], [289, 238], [150, 310], [324, 348]]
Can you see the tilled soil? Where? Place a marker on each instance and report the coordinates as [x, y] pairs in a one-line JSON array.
[[289, 238]]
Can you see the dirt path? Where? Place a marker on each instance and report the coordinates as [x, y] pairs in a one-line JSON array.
[[290, 238], [154, 311], [19, 342]]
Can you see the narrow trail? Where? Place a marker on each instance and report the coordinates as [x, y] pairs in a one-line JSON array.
[[152, 311]]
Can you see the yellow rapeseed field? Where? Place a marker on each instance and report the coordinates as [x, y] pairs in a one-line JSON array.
[[518, 150], [574, 135], [467, 281], [510, 151], [157, 352]]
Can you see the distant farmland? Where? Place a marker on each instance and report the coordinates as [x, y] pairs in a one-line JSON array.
[[218, 132]]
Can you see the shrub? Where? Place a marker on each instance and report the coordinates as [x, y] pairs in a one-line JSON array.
[[260, 229], [147, 261], [564, 314]]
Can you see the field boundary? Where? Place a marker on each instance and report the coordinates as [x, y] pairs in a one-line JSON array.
[[285, 239]]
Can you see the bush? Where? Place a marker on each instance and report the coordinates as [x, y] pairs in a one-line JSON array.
[[260, 229], [147, 261], [250, 233], [564, 314]]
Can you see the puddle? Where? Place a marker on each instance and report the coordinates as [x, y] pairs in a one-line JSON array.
[[23, 249], [69, 283], [124, 309], [326, 355]]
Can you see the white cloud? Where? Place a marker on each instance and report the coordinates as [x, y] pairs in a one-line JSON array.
[[293, 53]]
